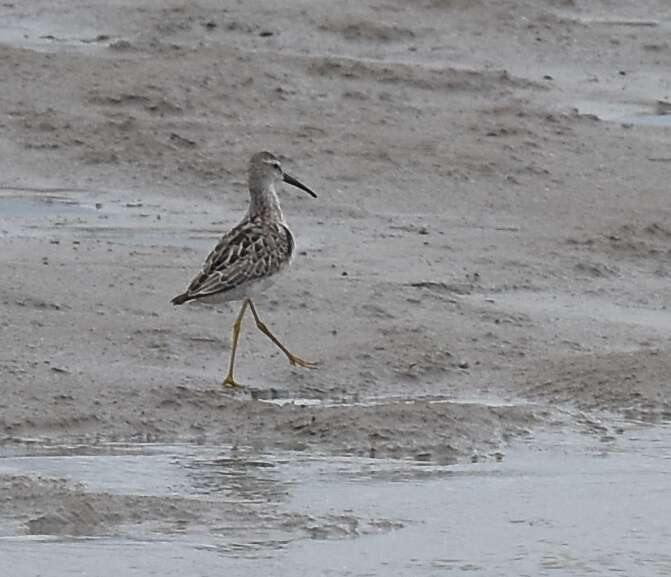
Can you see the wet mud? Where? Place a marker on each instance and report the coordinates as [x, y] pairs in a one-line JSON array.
[[483, 280]]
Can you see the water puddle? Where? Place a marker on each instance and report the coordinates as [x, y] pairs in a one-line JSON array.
[[39, 207], [569, 307], [657, 114], [560, 508], [48, 32], [62, 214], [660, 120], [631, 23], [284, 397]]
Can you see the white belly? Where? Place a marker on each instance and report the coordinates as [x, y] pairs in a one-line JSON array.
[[250, 290]]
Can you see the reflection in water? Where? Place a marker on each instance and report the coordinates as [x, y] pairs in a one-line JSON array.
[[236, 477]]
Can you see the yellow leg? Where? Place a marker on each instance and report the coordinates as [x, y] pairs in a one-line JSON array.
[[229, 381], [293, 359]]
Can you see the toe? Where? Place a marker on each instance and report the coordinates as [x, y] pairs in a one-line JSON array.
[[230, 382], [297, 361]]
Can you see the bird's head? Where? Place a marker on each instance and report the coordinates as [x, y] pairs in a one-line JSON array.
[[266, 169]]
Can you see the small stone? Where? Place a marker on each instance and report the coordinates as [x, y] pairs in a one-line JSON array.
[[121, 45]]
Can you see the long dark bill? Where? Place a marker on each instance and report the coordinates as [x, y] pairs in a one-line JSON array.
[[293, 182]]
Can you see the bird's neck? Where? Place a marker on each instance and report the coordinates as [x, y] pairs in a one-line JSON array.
[[264, 201]]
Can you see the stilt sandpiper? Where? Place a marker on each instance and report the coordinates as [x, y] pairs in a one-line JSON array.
[[246, 258]]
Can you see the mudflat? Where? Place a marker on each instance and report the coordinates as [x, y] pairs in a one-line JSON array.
[[488, 256]]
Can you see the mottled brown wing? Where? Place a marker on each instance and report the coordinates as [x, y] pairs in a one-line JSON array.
[[250, 251]]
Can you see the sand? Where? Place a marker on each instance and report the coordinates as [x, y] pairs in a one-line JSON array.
[[488, 255]]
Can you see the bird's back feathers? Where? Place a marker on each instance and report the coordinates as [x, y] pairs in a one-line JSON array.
[[256, 248]]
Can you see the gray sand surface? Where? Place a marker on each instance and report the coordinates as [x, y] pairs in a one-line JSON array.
[[489, 255]]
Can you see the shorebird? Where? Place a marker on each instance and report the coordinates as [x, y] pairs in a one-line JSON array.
[[246, 258]]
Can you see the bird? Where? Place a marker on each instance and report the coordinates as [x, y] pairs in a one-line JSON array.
[[247, 258]]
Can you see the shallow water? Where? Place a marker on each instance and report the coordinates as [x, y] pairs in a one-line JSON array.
[[562, 509], [628, 113], [570, 307], [648, 120], [48, 32], [15, 206], [69, 214]]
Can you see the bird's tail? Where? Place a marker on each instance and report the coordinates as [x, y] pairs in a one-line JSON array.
[[181, 299]]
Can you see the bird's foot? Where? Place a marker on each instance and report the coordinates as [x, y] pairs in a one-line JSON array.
[[229, 381], [298, 362]]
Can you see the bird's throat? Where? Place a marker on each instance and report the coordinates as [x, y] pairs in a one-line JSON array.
[[264, 202]]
